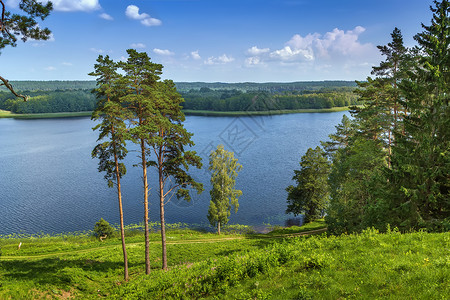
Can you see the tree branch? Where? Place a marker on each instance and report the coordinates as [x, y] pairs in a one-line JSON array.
[[9, 86]]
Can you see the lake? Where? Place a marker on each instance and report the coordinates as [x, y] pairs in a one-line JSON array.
[[49, 183]]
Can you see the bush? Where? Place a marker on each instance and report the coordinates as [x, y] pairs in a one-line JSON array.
[[103, 228]]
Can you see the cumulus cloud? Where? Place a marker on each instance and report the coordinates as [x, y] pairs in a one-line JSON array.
[[195, 55], [288, 54], [76, 5], [132, 12], [163, 52], [223, 59], [257, 51], [138, 45], [105, 16], [337, 46]]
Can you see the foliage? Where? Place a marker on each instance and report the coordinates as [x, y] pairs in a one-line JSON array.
[[235, 100], [224, 170], [102, 228], [310, 196], [49, 102], [391, 162]]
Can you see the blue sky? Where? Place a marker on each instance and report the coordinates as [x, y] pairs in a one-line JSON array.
[[212, 40]]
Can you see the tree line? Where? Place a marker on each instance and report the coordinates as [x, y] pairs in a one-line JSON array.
[[49, 102], [389, 164], [74, 100], [135, 105], [235, 100]]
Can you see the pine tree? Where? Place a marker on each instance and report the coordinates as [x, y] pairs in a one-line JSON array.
[[421, 160], [224, 168], [141, 76], [172, 160], [112, 127]]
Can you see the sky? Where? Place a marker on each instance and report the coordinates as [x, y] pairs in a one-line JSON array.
[[218, 40]]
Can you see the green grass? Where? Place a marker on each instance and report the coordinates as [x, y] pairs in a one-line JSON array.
[[7, 114], [230, 266], [4, 113]]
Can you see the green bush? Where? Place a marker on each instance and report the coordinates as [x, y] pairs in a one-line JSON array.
[[103, 228]]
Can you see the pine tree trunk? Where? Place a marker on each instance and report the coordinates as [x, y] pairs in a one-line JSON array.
[[218, 227], [163, 225], [144, 177], [119, 194]]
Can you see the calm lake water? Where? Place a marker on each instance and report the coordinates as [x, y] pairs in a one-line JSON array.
[[49, 182]]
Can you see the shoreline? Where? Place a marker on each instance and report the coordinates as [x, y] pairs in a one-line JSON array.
[[187, 112]]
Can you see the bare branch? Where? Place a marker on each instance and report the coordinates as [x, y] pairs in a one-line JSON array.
[[9, 86]]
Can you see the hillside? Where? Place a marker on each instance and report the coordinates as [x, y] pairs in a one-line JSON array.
[[278, 265]]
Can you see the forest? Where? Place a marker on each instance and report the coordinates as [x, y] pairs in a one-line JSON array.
[[76, 96], [389, 164]]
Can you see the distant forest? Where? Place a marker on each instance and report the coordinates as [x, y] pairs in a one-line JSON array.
[[74, 96]]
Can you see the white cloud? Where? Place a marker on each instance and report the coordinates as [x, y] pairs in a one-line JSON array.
[[257, 51], [331, 44], [99, 51], [288, 54], [195, 55], [163, 52], [67, 64], [138, 45], [253, 61], [223, 59], [105, 16], [337, 46], [132, 12], [50, 68], [76, 5], [151, 22]]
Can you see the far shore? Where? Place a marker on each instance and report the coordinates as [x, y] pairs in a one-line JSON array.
[[189, 112]]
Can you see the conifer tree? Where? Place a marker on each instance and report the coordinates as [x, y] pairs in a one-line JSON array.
[[113, 128], [172, 160], [141, 76], [421, 158]]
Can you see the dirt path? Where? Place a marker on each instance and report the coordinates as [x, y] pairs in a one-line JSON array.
[[198, 241]]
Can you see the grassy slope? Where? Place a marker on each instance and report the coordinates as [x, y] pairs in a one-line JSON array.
[[370, 265]]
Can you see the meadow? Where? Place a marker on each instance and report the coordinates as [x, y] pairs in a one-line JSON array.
[[240, 264]]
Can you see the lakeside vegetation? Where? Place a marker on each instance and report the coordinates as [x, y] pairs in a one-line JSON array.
[[260, 98], [188, 112], [230, 266]]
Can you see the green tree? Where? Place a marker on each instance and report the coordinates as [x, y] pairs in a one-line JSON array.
[[14, 26], [421, 160], [172, 160], [113, 128], [103, 229], [141, 76], [224, 168], [310, 196]]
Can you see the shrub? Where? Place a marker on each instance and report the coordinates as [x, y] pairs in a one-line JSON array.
[[103, 228]]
